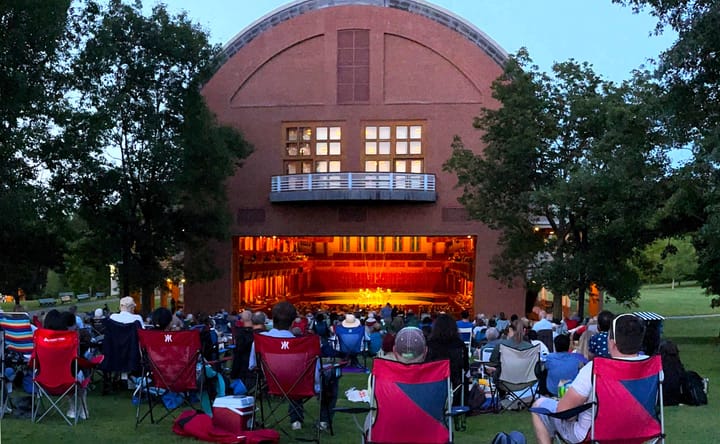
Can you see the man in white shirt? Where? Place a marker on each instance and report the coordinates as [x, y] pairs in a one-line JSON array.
[[127, 315], [624, 342]]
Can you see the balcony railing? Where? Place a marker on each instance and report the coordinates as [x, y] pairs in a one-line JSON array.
[[353, 186]]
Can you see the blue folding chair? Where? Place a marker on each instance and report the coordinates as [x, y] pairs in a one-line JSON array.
[[351, 342]]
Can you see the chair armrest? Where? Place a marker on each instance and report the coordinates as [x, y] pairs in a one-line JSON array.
[[564, 414], [351, 409]]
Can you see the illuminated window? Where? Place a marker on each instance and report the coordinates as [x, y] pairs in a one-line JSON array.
[[414, 244], [346, 247], [394, 147], [379, 244], [397, 243], [312, 148]]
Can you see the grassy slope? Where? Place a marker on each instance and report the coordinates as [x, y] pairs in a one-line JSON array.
[[112, 417]]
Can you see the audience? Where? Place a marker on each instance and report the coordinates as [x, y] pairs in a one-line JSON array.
[[445, 343], [127, 312]]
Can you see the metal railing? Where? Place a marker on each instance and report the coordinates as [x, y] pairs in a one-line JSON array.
[[353, 181]]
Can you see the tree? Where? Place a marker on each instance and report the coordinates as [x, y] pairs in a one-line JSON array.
[[672, 260], [584, 156], [32, 37], [149, 160], [690, 71]]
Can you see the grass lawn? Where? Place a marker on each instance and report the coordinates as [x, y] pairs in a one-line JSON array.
[[112, 418]]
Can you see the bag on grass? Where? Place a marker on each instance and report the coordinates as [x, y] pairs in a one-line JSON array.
[[693, 389], [199, 425], [513, 437]]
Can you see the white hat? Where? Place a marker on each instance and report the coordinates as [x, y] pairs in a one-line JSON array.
[[99, 313], [350, 321]]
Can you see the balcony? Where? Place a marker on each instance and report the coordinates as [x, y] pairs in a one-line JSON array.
[[353, 187]]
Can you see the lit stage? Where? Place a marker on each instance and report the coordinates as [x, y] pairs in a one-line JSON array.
[[375, 298]]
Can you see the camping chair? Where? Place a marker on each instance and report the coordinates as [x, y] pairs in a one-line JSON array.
[[55, 366], [16, 335], [408, 403], [546, 337], [351, 341], [289, 368], [170, 364], [120, 351], [627, 404], [517, 378]]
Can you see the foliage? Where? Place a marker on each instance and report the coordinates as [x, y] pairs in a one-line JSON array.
[[690, 71], [32, 36], [672, 260], [577, 153], [141, 153]]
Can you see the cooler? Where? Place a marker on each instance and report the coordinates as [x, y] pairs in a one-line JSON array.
[[233, 413]]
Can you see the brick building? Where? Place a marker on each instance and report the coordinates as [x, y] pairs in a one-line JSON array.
[[352, 107]]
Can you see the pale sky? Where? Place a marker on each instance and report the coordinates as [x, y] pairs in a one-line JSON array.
[[613, 39]]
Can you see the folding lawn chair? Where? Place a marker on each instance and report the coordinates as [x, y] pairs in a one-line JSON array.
[[55, 366], [289, 368], [408, 403], [16, 335], [120, 351], [626, 402], [517, 379], [351, 341], [170, 362]]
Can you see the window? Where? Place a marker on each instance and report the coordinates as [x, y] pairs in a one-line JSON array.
[[312, 148], [353, 66], [394, 147], [397, 243]]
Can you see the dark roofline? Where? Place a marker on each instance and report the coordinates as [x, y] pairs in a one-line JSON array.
[[419, 7]]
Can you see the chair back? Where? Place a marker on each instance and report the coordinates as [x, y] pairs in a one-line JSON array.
[[289, 364], [120, 347], [629, 400], [546, 337], [350, 338], [55, 359], [518, 366], [172, 356], [17, 331], [412, 402]]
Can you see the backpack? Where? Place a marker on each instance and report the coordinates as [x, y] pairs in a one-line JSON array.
[[693, 389], [513, 437]]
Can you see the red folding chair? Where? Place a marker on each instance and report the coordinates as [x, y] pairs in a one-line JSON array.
[[410, 403], [289, 369], [55, 366], [170, 362]]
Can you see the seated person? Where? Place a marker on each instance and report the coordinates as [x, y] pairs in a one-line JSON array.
[[624, 342], [283, 315], [409, 346], [127, 312], [560, 366], [161, 319], [514, 338], [445, 342]]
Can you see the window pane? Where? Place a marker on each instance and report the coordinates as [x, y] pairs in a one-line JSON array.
[[292, 168], [371, 165], [401, 132], [400, 166], [321, 148], [321, 166], [334, 166], [371, 132], [415, 132], [306, 133], [401, 147], [335, 133], [384, 166], [292, 134], [415, 147], [307, 167], [334, 148], [291, 149], [371, 148], [416, 166], [322, 133], [384, 133], [384, 148], [305, 149]]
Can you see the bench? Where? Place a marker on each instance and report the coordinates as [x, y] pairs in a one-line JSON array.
[[66, 297], [100, 295], [47, 302], [83, 297]]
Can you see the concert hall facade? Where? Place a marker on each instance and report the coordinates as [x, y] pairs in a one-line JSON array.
[[352, 107]]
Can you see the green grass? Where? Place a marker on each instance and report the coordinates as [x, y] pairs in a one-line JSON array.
[[113, 417]]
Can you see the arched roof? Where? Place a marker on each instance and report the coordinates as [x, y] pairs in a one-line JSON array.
[[419, 7]]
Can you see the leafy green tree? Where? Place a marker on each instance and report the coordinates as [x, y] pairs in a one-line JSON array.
[[148, 160], [690, 71], [577, 153], [672, 260], [32, 36]]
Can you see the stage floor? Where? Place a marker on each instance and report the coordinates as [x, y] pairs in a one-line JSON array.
[[377, 298]]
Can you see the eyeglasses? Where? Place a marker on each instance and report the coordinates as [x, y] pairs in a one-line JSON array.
[[614, 323]]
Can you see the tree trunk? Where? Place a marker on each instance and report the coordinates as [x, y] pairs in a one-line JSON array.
[[147, 296], [557, 306], [581, 303]]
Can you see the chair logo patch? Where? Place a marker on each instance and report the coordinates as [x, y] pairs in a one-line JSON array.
[[168, 338], [285, 345]]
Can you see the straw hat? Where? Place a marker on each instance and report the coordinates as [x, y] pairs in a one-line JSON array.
[[350, 321]]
